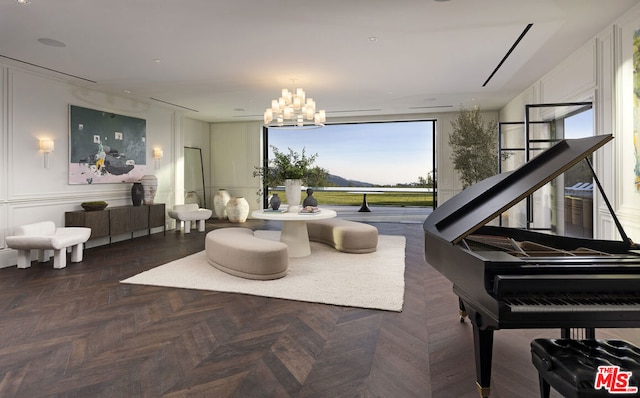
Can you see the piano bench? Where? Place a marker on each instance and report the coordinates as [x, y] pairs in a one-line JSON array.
[[574, 368]]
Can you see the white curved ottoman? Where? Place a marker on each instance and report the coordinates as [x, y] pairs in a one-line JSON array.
[[344, 235], [44, 237], [185, 214], [238, 252]]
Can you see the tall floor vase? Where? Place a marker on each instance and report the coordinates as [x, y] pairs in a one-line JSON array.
[[292, 190], [237, 209], [220, 200]]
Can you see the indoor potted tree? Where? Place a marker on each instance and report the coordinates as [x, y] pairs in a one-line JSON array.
[[290, 169], [475, 147]]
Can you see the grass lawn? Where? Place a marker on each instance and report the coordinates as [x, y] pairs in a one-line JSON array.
[[397, 199]]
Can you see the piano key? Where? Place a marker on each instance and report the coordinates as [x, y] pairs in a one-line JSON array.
[[572, 304]]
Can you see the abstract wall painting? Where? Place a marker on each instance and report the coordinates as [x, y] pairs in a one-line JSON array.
[[105, 147]]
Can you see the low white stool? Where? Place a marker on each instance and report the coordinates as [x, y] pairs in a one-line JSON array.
[[187, 213], [44, 237]]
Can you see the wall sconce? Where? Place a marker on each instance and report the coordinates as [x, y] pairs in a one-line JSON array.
[[46, 147], [157, 153]]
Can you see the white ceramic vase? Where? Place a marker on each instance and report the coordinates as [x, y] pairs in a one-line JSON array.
[[220, 200], [237, 209], [293, 192], [192, 197], [150, 185]]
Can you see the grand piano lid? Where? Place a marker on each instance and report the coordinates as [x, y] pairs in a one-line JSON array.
[[480, 203]]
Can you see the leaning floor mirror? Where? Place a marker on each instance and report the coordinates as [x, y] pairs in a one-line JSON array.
[[194, 177]]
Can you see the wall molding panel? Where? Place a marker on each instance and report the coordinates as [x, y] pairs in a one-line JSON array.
[[34, 106]]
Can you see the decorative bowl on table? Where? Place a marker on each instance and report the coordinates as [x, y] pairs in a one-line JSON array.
[[94, 206]]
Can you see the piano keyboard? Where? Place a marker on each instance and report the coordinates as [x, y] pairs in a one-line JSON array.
[[572, 304]]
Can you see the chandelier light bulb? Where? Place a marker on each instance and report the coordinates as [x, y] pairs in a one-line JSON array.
[[268, 116], [292, 109]]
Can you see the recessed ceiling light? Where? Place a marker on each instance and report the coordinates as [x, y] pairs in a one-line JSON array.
[[157, 60], [373, 38], [23, 1], [51, 42]]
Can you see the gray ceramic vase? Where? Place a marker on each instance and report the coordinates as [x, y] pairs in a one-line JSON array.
[[275, 202], [309, 200]]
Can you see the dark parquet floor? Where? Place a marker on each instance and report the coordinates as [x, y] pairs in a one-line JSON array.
[[78, 332]]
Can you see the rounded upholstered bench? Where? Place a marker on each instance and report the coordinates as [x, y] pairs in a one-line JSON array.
[[238, 252], [346, 236], [586, 368]]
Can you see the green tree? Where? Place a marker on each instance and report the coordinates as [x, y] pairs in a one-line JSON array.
[[286, 165], [317, 177], [475, 147], [294, 165]]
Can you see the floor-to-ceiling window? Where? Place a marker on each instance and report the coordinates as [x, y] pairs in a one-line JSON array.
[[382, 154]]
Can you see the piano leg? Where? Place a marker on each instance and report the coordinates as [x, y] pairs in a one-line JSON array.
[[462, 311], [578, 333], [483, 346], [545, 388]]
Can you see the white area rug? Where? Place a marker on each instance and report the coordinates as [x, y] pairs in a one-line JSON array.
[[372, 280]]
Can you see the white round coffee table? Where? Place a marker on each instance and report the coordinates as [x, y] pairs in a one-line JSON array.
[[294, 228]]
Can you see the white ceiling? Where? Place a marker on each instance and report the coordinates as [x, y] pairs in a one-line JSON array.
[[224, 60]]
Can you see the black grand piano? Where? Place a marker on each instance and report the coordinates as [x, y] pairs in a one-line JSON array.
[[508, 278]]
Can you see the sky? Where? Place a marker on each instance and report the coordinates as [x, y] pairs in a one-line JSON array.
[[580, 125], [377, 153]]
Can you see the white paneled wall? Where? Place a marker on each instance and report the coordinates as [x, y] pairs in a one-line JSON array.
[[38, 107], [599, 71], [235, 151]]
